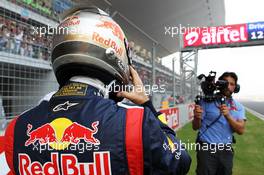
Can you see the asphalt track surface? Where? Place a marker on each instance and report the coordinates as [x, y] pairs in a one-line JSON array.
[[257, 108]]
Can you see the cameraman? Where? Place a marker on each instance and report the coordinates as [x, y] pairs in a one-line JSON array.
[[216, 123]]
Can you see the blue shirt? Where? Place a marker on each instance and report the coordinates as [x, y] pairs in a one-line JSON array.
[[220, 131]]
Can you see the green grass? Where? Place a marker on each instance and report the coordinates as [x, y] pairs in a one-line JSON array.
[[249, 149]]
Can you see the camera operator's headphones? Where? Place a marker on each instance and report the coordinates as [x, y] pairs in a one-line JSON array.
[[234, 76]]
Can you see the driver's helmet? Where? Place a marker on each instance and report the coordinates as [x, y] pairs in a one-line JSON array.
[[88, 42]]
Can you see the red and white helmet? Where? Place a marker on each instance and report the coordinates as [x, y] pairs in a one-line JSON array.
[[88, 42]]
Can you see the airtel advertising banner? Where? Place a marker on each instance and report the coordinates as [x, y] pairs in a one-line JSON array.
[[223, 35], [172, 117]]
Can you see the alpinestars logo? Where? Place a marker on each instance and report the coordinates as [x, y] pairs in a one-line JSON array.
[[64, 107]]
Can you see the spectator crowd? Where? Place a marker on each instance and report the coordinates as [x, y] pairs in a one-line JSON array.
[[17, 37]]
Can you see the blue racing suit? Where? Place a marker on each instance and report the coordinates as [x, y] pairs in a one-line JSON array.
[[77, 131]]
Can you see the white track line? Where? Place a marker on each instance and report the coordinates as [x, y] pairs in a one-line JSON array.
[[260, 116]]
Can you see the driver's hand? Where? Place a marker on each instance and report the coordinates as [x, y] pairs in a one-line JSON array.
[[138, 94]]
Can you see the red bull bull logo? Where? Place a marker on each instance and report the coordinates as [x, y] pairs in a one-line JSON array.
[[68, 165], [116, 30], [75, 132], [62, 132], [44, 134]]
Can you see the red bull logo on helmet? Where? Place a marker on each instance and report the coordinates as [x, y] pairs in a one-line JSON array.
[[107, 43], [62, 132], [116, 30], [68, 165]]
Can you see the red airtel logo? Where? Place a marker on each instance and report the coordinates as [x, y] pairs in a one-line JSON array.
[[216, 35]]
